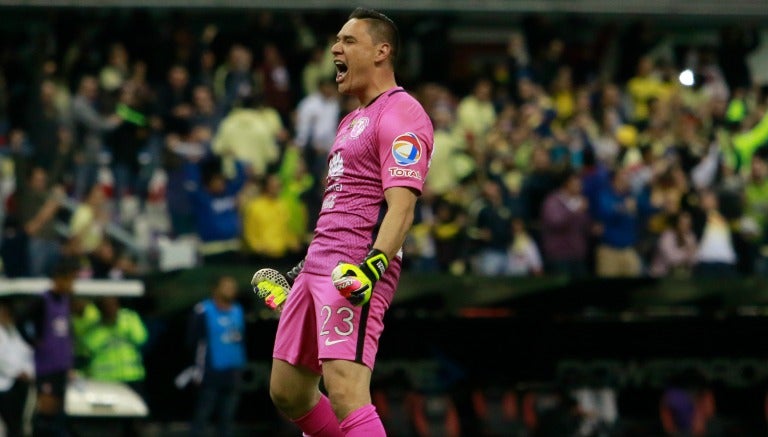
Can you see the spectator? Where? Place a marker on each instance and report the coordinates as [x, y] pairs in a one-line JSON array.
[[563, 94], [449, 234], [610, 105], [235, 79], [452, 164], [751, 137], [216, 332], [419, 242], [85, 315], [38, 205], [63, 168], [266, 229], [139, 82], [43, 124], [492, 231], [642, 88], [476, 115], [62, 95], [15, 245], [46, 324], [523, 255], [17, 372], [275, 79], [251, 134], [90, 127], [676, 249], [756, 211], [215, 206], [126, 142], [87, 226], [114, 346], [716, 255], [180, 154], [297, 183], [206, 65], [174, 100], [116, 71], [205, 111], [536, 186], [619, 214], [565, 228]]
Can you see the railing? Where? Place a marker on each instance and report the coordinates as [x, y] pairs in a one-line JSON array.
[[82, 287]]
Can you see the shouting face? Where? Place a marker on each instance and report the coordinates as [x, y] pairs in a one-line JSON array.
[[355, 56]]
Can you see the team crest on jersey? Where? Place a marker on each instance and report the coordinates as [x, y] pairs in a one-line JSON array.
[[357, 126], [406, 149]]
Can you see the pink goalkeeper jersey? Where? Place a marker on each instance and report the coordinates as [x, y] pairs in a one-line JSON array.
[[386, 144]]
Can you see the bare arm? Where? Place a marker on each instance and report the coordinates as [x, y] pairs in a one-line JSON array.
[[398, 219]]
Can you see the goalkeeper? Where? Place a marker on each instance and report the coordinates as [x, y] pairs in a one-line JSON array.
[[333, 317]]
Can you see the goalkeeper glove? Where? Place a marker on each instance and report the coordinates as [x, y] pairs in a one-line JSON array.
[[355, 281], [273, 287]]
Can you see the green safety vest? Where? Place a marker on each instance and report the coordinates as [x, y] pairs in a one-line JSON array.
[[115, 350]]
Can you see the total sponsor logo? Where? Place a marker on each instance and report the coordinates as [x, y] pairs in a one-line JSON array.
[[406, 149], [397, 172]]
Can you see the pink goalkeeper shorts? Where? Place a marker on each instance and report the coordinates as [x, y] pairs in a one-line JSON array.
[[318, 324]]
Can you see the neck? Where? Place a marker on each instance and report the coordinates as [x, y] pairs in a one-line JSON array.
[[377, 87], [222, 303]]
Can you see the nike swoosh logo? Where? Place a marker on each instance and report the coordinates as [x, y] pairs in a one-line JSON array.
[[329, 342]]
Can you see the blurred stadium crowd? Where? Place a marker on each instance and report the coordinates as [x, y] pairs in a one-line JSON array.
[[130, 134], [141, 143]]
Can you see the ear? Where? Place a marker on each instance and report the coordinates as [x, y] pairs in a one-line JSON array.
[[382, 51]]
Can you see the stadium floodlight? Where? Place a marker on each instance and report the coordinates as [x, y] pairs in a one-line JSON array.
[[687, 77]]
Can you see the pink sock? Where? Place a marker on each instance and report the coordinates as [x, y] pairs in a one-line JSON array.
[[320, 421], [363, 422]]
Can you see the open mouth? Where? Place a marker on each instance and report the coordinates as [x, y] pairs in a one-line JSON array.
[[341, 70]]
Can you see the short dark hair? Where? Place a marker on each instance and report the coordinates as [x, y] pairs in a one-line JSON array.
[[381, 28]]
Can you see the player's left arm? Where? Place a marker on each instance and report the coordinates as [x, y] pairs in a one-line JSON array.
[[356, 281], [401, 204], [403, 174], [405, 140]]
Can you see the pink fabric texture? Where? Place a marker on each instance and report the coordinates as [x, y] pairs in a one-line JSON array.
[[363, 422], [320, 421]]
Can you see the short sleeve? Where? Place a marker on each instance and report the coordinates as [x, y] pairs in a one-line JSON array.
[[405, 139]]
